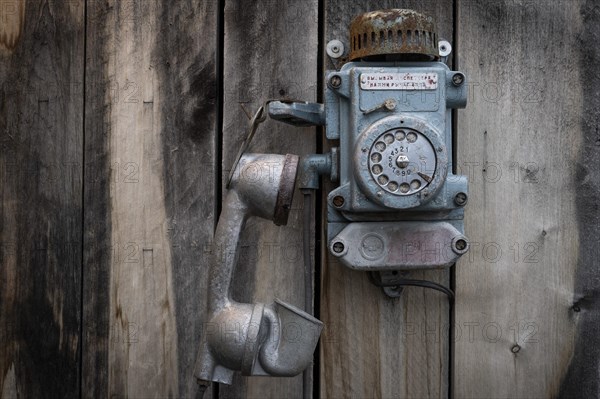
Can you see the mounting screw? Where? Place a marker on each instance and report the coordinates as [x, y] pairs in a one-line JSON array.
[[338, 247], [390, 104], [458, 79], [335, 81], [445, 48], [516, 348], [335, 49], [338, 201], [461, 199], [460, 245]]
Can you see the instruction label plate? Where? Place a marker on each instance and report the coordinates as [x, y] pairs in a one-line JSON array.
[[399, 81]]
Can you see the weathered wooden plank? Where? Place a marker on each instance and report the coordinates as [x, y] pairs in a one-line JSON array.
[[97, 223], [581, 378], [41, 161], [150, 148], [520, 141], [270, 51], [374, 346]]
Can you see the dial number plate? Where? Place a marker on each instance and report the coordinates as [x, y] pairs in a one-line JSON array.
[[402, 161]]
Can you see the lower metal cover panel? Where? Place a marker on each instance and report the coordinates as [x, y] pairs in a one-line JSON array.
[[399, 245]]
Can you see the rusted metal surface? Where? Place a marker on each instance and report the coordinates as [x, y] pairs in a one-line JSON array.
[[393, 32], [285, 194]]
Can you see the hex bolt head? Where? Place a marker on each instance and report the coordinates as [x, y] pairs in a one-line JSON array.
[[338, 201], [338, 247], [458, 79], [461, 199], [335, 81]]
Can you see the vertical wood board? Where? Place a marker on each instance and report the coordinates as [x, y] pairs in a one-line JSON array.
[[375, 346], [41, 132], [270, 51], [519, 142], [151, 148]]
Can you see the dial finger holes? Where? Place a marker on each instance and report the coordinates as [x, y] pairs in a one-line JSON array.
[[393, 159], [380, 146]]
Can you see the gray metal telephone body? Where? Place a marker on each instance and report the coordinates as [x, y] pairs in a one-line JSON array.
[[398, 206]]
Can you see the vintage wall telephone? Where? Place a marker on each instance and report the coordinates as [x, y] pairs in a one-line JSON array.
[[398, 206]]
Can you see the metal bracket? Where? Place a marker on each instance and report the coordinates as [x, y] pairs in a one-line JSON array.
[[298, 113]]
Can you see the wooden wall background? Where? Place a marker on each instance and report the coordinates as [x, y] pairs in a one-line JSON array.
[[119, 121]]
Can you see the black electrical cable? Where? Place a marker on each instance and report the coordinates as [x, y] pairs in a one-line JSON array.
[[307, 219], [308, 278], [415, 283]]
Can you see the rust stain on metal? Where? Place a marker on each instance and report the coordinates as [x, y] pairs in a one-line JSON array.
[[393, 32], [285, 193]]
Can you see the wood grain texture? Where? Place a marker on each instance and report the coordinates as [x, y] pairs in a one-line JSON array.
[[374, 346], [41, 133], [581, 378], [187, 74], [97, 223], [151, 147], [270, 51], [519, 140]]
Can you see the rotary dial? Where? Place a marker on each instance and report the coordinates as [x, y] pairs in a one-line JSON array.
[[402, 161]]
